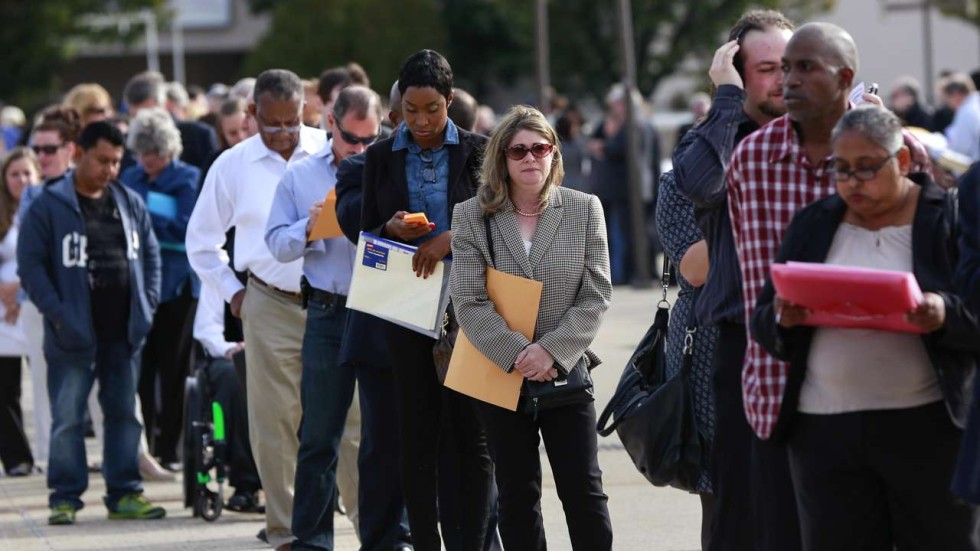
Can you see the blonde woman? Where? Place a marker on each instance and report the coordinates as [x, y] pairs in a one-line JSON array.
[[540, 231]]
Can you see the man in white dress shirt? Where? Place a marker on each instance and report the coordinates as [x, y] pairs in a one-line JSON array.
[[328, 386], [238, 192]]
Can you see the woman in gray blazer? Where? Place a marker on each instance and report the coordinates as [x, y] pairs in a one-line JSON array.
[[558, 237]]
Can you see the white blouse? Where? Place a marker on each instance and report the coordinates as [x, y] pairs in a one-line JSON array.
[[12, 339], [864, 369]]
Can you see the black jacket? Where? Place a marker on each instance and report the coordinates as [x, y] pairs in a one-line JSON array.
[[385, 189], [952, 349]]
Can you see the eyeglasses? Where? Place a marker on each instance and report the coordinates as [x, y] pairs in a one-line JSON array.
[[46, 149], [282, 127], [352, 139], [863, 174], [539, 150]]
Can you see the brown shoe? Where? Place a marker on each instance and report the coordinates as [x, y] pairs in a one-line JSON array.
[[285, 547]]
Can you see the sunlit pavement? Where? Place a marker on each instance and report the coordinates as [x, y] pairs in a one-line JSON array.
[[644, 517]]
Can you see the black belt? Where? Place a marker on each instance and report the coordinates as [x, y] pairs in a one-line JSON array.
[[292, 295], [328, 298]]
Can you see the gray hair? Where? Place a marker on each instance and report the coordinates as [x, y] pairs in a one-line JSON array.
[[877, 124], [360, 100], [145, 86], [177, 94], [243, 88], [154, 131], [280, 84]]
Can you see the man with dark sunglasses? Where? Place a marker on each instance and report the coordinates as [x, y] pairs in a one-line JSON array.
[[327, 386]]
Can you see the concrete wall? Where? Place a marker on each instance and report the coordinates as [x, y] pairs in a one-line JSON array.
[[890, 44]]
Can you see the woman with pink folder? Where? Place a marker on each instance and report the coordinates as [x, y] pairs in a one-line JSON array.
[[873, 418]]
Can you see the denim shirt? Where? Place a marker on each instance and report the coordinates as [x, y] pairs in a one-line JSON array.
[[427, 174]]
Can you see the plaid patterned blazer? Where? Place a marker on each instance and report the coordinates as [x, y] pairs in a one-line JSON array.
[[569, 255]]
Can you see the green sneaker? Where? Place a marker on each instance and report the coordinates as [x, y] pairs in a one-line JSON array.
[[62, 514], [136, 507]]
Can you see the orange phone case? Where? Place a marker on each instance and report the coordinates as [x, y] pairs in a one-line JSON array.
[[417, 218]]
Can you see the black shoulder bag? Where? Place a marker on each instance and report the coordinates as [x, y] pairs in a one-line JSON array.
[[573, 388], [654, 416]]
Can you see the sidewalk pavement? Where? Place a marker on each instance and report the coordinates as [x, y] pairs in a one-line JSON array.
[[644, 517]]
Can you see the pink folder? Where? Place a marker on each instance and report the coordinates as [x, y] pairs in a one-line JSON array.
[[845, 296]]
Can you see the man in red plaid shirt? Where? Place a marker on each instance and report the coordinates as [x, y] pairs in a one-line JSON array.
[[773, 173]]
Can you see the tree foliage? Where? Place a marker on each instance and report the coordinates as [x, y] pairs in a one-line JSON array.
[[308, 36], [585, 37], [967, 10], [37, 36], [491, 42]]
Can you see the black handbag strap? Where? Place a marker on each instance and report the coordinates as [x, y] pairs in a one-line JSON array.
[[486, 225]]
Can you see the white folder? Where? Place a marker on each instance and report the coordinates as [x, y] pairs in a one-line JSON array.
[[384, 285]]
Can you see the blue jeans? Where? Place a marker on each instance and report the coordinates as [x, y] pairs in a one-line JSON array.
[[620, 242], [326, 393], [69, 384]]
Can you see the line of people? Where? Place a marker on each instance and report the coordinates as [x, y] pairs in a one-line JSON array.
[[820, 438]]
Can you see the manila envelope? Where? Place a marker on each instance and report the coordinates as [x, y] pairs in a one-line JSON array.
[[517, 300], [326, 226]]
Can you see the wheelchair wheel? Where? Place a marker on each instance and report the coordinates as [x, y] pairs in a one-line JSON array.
[[193, 412]]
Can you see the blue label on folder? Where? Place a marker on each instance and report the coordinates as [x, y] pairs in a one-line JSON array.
[[375, 257]]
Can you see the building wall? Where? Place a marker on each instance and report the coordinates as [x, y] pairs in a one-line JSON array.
[[890, 44], [210, 55]]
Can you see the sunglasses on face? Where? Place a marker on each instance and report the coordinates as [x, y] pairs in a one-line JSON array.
[[46, 149], [539, 150], [354, 140]]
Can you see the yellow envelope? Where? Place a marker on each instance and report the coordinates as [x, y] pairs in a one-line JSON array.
[[326, 226], [517, 300]]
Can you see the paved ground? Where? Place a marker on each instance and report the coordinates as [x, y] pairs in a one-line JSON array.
[[644, 517]]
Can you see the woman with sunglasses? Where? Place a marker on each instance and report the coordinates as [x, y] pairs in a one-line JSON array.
[[558, 237], [428, 165], [53, 143], [18, 171], [873, 418]]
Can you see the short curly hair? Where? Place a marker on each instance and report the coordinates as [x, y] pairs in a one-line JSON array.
[[153, 131]]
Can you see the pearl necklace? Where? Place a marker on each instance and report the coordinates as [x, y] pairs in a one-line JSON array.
[[528, 214]]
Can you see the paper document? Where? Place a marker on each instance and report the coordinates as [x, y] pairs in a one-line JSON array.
[[161, 204], [850, 297], [326, 226], [517, 300], [385, 286]]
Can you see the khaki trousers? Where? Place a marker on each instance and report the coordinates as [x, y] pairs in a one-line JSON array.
[[274, 326]]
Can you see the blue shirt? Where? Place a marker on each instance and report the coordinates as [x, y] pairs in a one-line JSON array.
[[427, 174], [327, 263], [700, 161]]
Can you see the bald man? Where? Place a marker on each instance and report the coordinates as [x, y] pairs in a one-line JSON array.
[[774, 173]]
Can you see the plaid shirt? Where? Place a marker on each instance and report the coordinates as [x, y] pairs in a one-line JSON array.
[[769, 179]]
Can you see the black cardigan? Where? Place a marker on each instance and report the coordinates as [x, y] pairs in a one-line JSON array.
[[386, 186], [952, 350]]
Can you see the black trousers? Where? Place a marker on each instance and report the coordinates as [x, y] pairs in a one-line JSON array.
[[879, 480], [572, 446], [777, 521], [733, 521], [230, 393], [14, 448], [420, 403], [167, 358]]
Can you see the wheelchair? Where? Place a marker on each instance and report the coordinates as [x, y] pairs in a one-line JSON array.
[[204, 447]]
